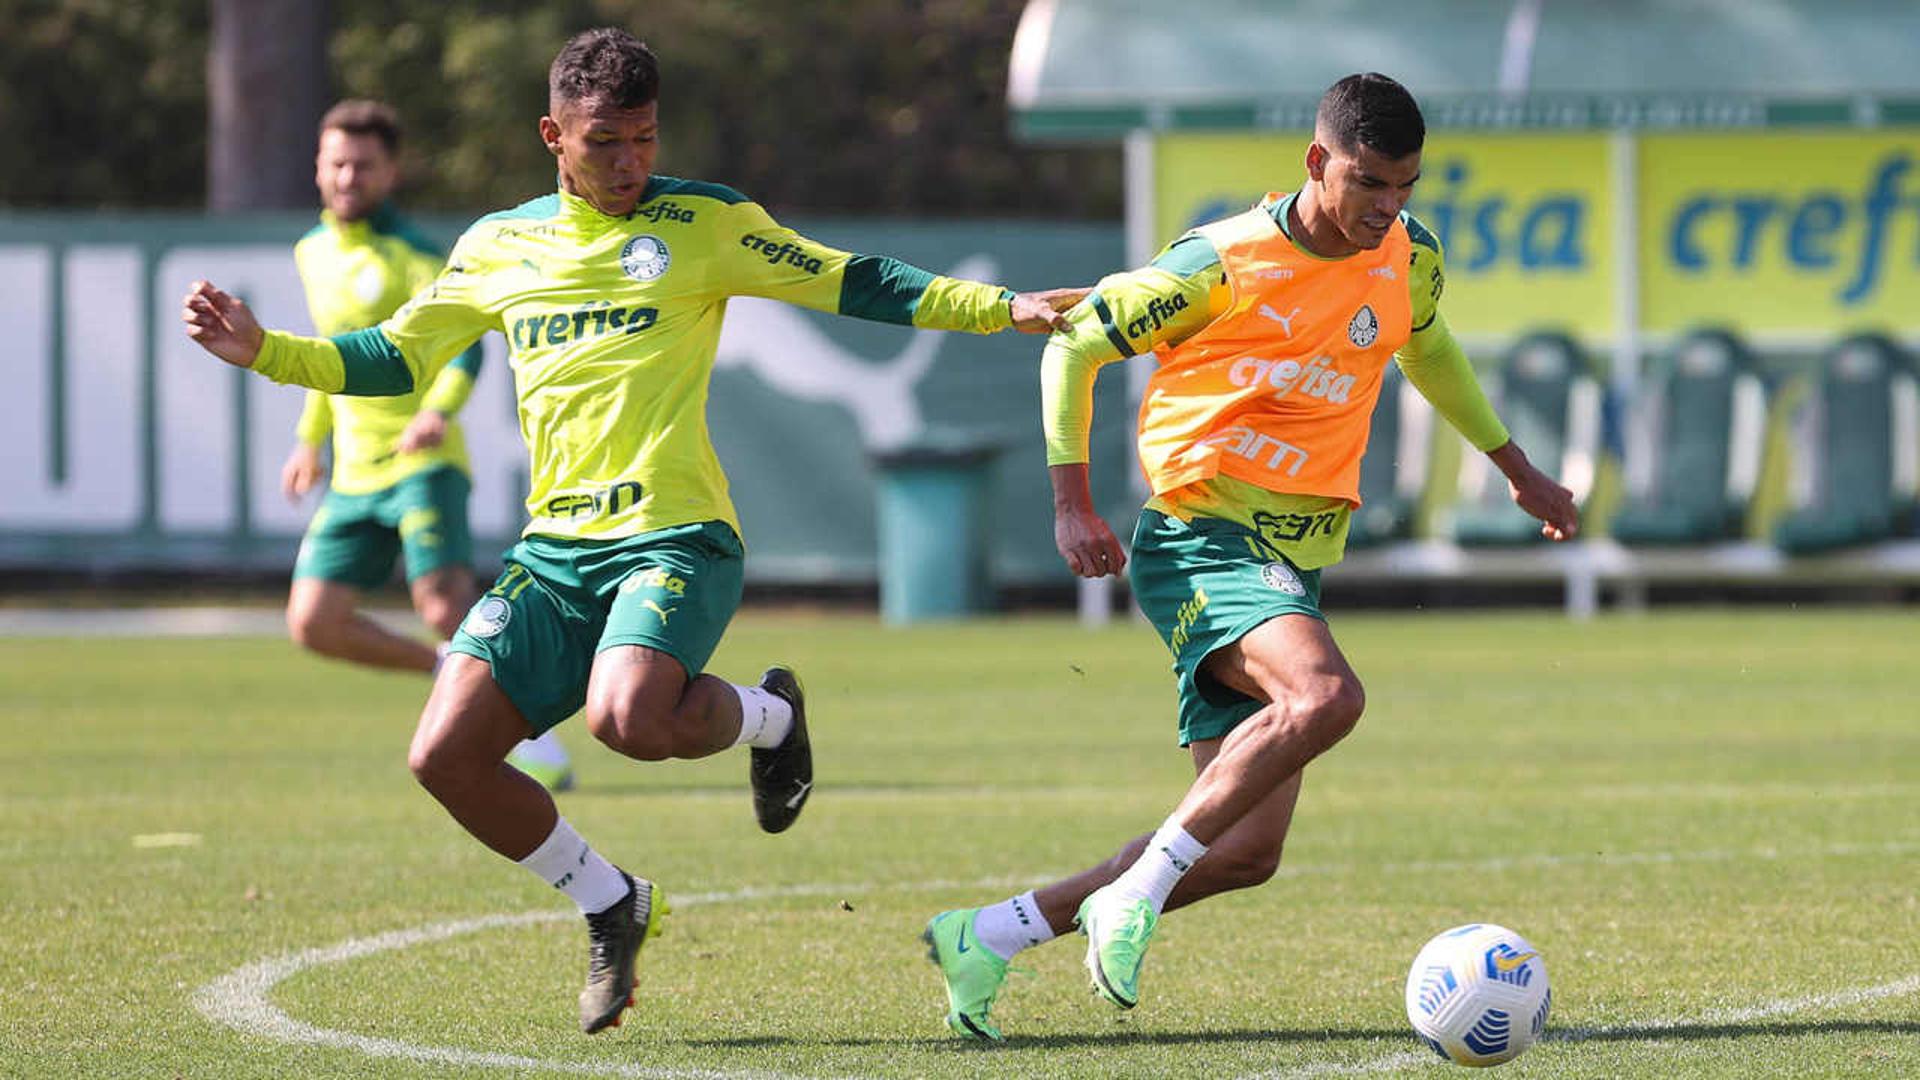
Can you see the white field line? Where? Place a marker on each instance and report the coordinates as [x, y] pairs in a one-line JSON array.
[[170, 622], [1651, 1030], [240, 998], [1654, 1029], [1606, 858]]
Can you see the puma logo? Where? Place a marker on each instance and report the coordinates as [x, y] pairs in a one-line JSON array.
[[658, 610], [1285, 321], [800, 796]]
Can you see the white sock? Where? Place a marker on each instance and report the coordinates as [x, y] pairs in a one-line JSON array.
[[1012, 925], [1169, 855], [765, 717], [564, 861], [545, 749]]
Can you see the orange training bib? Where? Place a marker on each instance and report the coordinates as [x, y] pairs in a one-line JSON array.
[[1279, 390]]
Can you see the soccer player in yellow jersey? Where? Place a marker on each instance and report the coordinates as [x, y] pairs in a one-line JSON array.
[[400, 476], [610, 293], [1272, 329]]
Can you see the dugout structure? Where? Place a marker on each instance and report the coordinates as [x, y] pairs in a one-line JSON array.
[[1621, 174]]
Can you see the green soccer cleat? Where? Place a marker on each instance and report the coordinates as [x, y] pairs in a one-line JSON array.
[[972, 971], [1118, 929]]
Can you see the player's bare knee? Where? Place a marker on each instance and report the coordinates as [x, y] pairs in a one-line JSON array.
[[437, 766], [310, 629], [626, 728], [1329, 709]]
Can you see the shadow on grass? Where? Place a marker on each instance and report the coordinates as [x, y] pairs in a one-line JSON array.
[[1058, 1042], [1703, 1032], [1020, 1043]]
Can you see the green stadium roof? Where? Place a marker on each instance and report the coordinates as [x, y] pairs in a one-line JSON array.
[[1101, 68]]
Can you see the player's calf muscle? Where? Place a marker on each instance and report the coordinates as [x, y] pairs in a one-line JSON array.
[[690, 729]]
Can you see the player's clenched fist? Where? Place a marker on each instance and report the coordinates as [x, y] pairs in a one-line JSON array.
[[222, 324]]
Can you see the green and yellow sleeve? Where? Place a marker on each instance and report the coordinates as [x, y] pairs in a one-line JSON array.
[[760, 257], [1162, 303], [363, 363], [1433, 361]]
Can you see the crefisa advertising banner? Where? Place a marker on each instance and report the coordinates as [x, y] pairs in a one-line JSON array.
[[1783, 235], [1808, 234]]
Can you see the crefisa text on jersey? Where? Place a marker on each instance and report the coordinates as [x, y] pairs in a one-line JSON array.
[[591, 319], [665, 211], [792, 253]]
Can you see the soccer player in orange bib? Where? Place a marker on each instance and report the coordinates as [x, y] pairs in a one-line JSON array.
[[1272, 329]]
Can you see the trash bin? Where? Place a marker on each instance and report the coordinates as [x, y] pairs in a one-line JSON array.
[[935, 533]]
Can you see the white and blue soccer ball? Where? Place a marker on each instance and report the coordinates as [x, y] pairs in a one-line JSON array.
[[1478, 994]]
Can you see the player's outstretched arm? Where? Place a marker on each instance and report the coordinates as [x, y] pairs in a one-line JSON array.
[[222, 324], [760, 257], [1081, 535], [1537, 493]]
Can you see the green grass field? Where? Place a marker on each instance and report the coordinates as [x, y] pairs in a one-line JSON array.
[[1708, 823]]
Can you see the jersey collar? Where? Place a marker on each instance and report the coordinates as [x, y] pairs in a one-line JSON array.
[[384, 219], [591, 218]]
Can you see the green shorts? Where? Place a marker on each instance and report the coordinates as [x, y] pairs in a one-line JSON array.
[[353, 538], [1204, 585], [559, 602]]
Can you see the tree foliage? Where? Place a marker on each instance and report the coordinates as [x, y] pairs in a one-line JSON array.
[[856, 106], [103, 103]]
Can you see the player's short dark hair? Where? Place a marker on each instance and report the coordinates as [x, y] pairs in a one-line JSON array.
[[1372, 110], [606, 63], [361, 116]]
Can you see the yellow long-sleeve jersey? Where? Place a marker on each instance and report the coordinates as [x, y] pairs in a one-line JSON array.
[[612, 325], [355, 274]]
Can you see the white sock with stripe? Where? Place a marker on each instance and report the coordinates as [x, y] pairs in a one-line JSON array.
[[564, 861], [1011, 925], [765, 717], [1169, 855]]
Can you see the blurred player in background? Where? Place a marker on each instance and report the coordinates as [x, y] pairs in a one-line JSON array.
[[400, 476], [610, 293], [1272, 329]]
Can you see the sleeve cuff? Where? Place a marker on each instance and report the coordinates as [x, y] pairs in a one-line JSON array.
[[291, 360]]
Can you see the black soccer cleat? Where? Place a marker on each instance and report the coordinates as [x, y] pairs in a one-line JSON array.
[[614, 938], [783, 776]]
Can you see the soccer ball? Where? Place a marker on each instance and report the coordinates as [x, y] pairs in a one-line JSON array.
[[1478, 994]]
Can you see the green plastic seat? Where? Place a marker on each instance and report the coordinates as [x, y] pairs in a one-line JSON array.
[[1696, 431], [1393, 474], [1549, 393], [1856, 450]]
